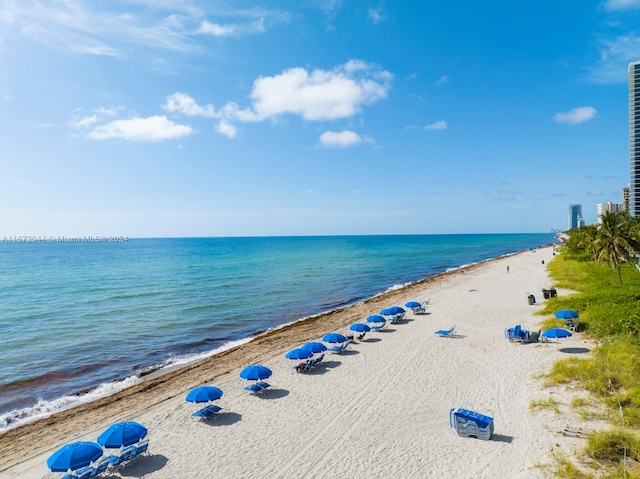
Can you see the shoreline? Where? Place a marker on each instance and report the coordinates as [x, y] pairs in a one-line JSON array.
[[20, 445], [93, 394]]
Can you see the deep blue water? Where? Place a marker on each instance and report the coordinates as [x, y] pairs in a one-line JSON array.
[[78, 316]]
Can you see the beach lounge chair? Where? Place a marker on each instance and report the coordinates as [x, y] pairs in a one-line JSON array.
[[470, 423], [84, 473], [339, 347], [100, 467], [446, 333], [124, 456], [257, 387], [205, 413]]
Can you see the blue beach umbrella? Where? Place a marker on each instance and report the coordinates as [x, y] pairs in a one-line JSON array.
[[204, 394], [300, 353], [360, 328], [314, 347], [392, 311], [556, 333], [255, 372], [566, 314], [74, 456], [376, 318], [412, 304], [122, 434], [334, 338]]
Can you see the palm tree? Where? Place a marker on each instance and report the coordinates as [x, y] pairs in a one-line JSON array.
[[614, 241]]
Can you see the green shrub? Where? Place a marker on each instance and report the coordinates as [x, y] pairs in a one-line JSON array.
[[613, 445]]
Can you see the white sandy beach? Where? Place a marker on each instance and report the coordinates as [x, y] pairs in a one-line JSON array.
[[381, 409]]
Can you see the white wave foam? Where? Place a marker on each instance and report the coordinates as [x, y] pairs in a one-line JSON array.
[[42, 409], [181, 360]]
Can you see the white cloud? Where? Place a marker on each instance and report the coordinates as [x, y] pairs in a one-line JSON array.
[[442, 79], [575, 116], [85, 27], [621, 4], [315, 95], [342, 139], [614, 59], [185, 104], [438, 125], [376, 15], [84, 122], [153, 128], [235, 29], [226, 129], [216, 30]]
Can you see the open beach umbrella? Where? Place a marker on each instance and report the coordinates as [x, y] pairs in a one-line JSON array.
[[376, 318], [255, 372], [556, 333], [334, 338], [314, 347], [74, 456], [122, 434], [204, 394], [360, 328], [300, 353], [392, 311], [412, 304], [566, 314]]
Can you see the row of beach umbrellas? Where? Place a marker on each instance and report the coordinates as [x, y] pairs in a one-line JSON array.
[[79, 454]]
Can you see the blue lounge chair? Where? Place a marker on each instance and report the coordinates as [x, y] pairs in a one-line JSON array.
[[446, 333], [339, 347], [143, 446], [100, 467], [84, 473], [470, 423], [204, 413], [257, 387], [124, 456]]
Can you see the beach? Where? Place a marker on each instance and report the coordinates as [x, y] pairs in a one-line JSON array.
[[380, 408]]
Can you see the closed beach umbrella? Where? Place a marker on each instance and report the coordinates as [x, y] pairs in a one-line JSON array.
[[566, 314], [255, 372], [74, 456], [412, 304], [204, 394], [376, 318], [334, 338], [122, 434], [360, 328], [299, 353], [314, 347]]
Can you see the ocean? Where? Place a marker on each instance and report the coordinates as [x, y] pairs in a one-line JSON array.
[[82, 319]]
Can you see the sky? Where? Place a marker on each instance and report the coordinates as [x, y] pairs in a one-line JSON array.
[[181, 118]]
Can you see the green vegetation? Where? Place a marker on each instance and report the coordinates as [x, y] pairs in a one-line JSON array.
[[549, 403], [598, 265]]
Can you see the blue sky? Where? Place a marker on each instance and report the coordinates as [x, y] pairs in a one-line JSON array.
[[311, 117]]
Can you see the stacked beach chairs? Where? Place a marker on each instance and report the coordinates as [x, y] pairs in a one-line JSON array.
[[470, 423]]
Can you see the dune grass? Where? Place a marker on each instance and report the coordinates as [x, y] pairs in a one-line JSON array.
[[610, 314]]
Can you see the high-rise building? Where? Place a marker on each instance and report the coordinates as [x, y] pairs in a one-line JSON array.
[[575, 216], [634, 137], [625, 199], [608, 207]]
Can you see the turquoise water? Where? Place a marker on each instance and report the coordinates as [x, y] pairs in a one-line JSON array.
[[81, 320]]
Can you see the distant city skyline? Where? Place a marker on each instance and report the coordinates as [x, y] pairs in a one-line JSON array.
[[196, 118]]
